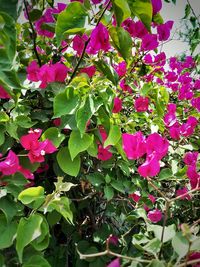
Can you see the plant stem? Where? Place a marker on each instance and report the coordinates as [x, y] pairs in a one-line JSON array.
[[185, 194], [33, 35], [86, 44], [189, 263], [157, 189]]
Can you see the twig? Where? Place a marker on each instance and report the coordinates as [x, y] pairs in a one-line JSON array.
[[193, 12], [86, 44], [33, 35], [157, 189], [189, 263]]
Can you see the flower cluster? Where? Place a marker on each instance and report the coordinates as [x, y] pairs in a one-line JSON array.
[[37, 149], [154, 146], [48, 73]]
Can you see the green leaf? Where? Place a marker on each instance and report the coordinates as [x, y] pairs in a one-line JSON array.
[[8, 207], [121, 10], [65, 103], [35, 14], [96, 178], [165, 174], [42, 241], [107, 70], [108, 192], [71, 167], [145, 89], [169, 232], [156, 263], [158, 19], [24, 121], [118, 186], [122, 41], [62, 206], [54, 135], [143, 10], [153, 246], [3, 116], [9, 7], [32, 194], [7, 236], [84, 113], [35, 261], [28, 230], [113, 136], [180, 244], [71, 18], [78, 143]]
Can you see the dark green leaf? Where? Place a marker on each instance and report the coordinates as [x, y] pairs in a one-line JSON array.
[[107, 70], [122, 10]]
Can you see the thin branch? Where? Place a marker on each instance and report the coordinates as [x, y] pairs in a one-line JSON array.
[[184, 195], [33, 34], [86, 44], [157, 189], [189, 263], [193, 12], [167, 205]]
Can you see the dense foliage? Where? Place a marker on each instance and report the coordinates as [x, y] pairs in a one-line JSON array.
[[99, 162]]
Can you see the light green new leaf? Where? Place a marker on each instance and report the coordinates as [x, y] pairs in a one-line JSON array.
[[180, 244], [65, 103], [54, 135], [69, 166], [113, 136], [71, 20], [169, 232], [28, 230], [62, 206], [78, 143], [63, 186], [121, 10], [32, 194], [122, 41], [107, 70], [143, 10]]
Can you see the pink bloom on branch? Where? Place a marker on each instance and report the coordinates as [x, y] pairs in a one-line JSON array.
[[152, 198], [90, 71], [193, 176], [29, 141], [154, 215], [117, 105], [164, 30], [33, 70], [103, 153], [95, 2], [188, 128], [141, 104], [157, 5], [196, 103], [191, 158], [174, 131], [150, 167], [4, 94], [135, 196], [10, 165], [157, 144], [78, 43], [60, 72], [183, 191], [125, 87], [99, 40], [149, 42], [121, 68], [27, 173], [114, 263], [134, 145], [57, 122]]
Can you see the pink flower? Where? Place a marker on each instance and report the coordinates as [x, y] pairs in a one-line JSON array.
[[154, 215], [4, 94], [157, 5], [156, 143], [160, 59], [183, 191], [174, 131], [96, 1], [37, 149], [125, 87], [78, 43], [188, 128], [164, 30], [191, 158], [134, 145], [90, 71], [114, 263], [10, 165], [196, 103], [113, 240], [194, 256], [121, 68], [149, 42], [150, 167], [99, 40], [135, 196], [46, 75], [60, 72], [197, 84], [117, 105], [193, 176], [171, 76], [57, 122], [152, 198], [141, 104], [103, 153], [42, 168], [33, 70], [27, 173]]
